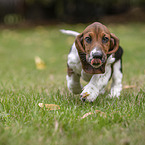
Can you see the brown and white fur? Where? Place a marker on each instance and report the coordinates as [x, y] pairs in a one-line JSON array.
[[95, 56]]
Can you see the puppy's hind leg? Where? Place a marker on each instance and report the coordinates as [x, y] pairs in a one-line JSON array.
[[73, 81]]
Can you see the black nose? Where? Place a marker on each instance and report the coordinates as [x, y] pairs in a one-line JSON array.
[[97, 55]]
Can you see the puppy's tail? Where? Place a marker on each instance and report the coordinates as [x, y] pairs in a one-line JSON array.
[[69, 32]]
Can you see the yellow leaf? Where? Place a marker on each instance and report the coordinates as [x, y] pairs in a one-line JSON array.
[[96, 111], [87, 114], [49, 106], [39, 63], [129, 87]]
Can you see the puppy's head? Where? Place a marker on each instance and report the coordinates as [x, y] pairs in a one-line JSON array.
[[94, 44]]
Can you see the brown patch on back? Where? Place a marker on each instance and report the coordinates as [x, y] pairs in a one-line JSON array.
[[69, 71]]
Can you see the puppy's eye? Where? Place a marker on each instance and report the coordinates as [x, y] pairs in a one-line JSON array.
[[105, 39], [88, 39]]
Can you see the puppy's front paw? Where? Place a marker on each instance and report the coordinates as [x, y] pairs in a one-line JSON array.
[[89, 93], [115, 92]]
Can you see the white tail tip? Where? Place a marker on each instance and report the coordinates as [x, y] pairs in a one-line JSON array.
[[70, 32]]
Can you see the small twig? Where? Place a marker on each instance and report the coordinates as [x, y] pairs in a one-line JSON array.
[[129, 86]]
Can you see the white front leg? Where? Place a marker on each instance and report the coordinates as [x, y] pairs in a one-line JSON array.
[[96, 84], [116, 85]]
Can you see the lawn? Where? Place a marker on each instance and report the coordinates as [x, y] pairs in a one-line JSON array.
[[23, 87]]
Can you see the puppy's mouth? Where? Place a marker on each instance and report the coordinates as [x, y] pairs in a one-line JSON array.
[[96, 62]]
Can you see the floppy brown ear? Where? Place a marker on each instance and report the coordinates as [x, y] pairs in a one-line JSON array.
[[114, 44], [79, 43]]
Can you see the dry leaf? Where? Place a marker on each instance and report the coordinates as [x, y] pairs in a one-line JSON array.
[[39, 63], [129, 87], [87, 114], [96, 111], [49, 106]]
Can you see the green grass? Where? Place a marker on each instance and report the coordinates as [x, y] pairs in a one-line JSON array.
[[22, 87]]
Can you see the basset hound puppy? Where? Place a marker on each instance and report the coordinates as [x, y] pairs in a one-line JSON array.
[[95, 56]]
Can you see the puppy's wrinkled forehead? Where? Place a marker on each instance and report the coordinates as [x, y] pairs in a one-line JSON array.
[[97, 28]]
